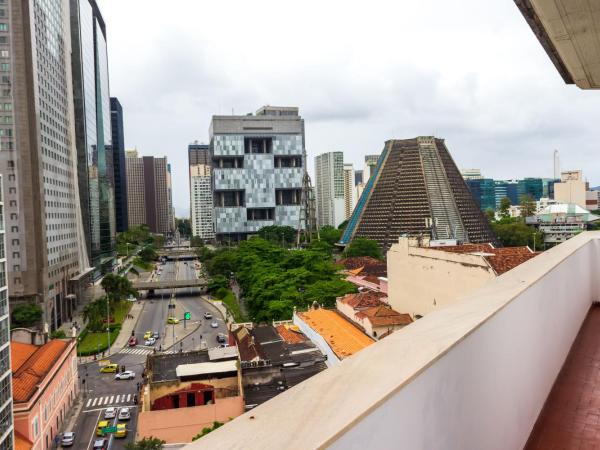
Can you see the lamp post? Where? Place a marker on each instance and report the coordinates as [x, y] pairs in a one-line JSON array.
[[108, 323]]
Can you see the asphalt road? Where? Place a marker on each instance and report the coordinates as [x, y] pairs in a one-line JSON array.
[[102, 390]]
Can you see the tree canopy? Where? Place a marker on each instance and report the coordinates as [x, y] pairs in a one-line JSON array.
[[274, 280], [281, 235], [117, 287], [527, 204], [364, 247], [150, 443], [25, 315], [184, 226], [330, 234], [513, 232]]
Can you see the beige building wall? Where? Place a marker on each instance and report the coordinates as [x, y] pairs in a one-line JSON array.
[[422, 280], [571, 189], [135, 189]]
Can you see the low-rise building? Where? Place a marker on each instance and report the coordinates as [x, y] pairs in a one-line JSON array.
[[372, 314], [44, 388], [366, 273], [423, 279], [337, 337], [186, 392], [274, 359], [562, 221]]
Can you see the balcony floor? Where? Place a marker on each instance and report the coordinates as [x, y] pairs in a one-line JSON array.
[[571, 417]]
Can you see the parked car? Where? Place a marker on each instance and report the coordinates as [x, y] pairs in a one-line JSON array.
[[121, 431], [131, 298], [221, 338], [109, 368], [127, 375], [67, 439], [156, 335], [172, 320], [150, 341], [132, 341], [110, 413], [124, 414], [207, 315], [214, 324], [100, 444]]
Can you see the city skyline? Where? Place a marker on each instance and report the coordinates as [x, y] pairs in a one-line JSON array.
[[447, 84]]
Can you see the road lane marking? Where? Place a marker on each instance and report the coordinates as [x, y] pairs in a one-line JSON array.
[[95, 400], [128, 397], [94, 431], [112, 397], [88, 403]]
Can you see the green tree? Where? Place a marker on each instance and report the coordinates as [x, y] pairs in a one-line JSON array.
[[342, 226], [58, 334], [207, 430], [490, 214], [117, 287], [196, 241], [505, 207], [94, 314], [527, 204], [330, 235], [281, 235], [364, 247], [514, 233], [184, 226], [150, 443], [148, 253], [26, 315], [216, 283]]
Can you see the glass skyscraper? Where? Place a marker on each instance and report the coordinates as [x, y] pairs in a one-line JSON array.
[[119, 171], [93, 132], [484, 192]]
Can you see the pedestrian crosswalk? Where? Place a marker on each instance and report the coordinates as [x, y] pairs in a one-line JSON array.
[[141, 351], [108, 400]]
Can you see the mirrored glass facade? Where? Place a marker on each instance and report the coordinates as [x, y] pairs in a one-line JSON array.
[[93, 132]]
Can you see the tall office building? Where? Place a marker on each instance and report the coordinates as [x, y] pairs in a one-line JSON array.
[[349, 194], [93, 135], [329, 188], [148, 198], [198, 154], [201, 201], [258, 170], [483, 191], [6, 416], [119, 172], [170, 199], [45, 244], [416, 189], [358, 177]]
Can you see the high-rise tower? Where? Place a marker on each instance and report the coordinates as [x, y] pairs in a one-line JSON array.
[[45, 244], [93, 132], [120, 174], [417, 189]]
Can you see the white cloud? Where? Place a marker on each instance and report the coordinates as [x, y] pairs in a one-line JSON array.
[[468, 71]]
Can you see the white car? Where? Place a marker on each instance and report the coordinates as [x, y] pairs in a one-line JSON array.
[[124, 414], [67, 439], [127, 375], [110, 413], [207, 315], [214, 325], [150, 341]]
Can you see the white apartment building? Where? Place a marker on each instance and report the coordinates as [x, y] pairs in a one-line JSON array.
[[349, 194], [201, 201], [329, 185]]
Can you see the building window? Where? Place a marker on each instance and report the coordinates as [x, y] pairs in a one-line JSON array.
[[260, 213], [35, 427], [288, 196], [3, 27], [258, 145]]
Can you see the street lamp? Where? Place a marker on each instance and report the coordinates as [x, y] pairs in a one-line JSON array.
[[108, 323]]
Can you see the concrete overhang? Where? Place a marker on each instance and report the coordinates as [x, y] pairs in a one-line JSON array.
[[569, 31]]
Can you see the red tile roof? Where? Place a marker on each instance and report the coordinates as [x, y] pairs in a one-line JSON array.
[[363, 300], [31, 364], [247, 348], [289, 335], [383, 315], [368, 265], [500, 259]]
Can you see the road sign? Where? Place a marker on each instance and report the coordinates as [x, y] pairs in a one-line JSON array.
[[187, 316], [109, 430]]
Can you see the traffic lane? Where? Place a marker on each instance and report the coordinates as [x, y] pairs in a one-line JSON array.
[[197, 306], [85, 430], [131, 426], [102, 384]]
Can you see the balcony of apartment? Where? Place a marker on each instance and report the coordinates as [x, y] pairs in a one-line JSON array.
[[475, 375]]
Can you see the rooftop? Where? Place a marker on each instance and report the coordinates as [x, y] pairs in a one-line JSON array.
[[344, 338], [206, 368], [364, 265], [163, 367], [362, 300], [290, 335], [501, 259], [31, 364], [383, 315]]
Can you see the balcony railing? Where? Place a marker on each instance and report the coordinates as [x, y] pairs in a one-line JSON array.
[[474, 375]]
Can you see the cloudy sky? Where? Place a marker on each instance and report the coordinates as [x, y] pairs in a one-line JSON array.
[[469, 71]]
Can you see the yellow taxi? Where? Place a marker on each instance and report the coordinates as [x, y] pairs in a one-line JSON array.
[[102, 424], [109, 368], [148, 334], [172, 320], [121, 431]]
